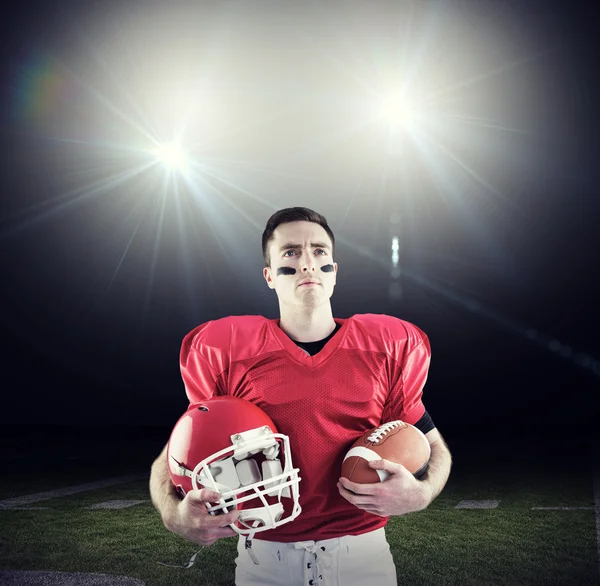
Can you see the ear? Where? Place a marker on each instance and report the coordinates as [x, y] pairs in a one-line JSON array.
[[268, 278]]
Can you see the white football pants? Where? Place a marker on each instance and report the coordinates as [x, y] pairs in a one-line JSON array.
[[353, 560]]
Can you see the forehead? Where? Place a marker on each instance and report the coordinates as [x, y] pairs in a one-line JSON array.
[[299, 233]]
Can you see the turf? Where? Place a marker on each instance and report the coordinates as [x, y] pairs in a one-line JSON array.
[[509, 545]]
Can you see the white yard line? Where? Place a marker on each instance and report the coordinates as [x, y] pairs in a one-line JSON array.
[[479, 504], [562, 508], [116, 504], [26, 508], [20, 501]]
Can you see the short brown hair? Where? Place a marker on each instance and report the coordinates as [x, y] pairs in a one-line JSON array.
[[292, 215]]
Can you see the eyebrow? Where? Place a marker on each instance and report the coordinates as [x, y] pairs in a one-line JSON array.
[[292, 246]]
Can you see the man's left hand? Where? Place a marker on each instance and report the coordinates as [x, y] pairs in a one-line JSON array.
[[398, 494]]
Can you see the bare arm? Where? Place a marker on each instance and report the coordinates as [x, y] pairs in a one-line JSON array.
[[187, 517], [440, 462], [162, 492]]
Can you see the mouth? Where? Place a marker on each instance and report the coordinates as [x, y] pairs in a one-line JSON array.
[[305, 284]]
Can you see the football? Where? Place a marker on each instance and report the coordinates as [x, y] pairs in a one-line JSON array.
[[396, 441]]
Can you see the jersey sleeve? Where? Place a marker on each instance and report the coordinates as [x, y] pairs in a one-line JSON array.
[[200, 366], [409, 372]]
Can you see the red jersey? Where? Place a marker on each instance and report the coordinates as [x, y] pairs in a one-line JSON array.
[[371, 371]]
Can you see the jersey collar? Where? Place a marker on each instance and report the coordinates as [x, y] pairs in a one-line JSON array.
[[300, 355]]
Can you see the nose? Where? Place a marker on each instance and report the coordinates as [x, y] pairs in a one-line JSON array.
[[308, 262]]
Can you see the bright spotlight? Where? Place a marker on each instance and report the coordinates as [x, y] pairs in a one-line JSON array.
[[397, 109], [172, 156], [395, 251]]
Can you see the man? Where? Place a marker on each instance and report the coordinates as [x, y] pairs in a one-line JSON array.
[[323, 381]]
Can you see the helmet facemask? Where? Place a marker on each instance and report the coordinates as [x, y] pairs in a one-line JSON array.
[[250, 470]]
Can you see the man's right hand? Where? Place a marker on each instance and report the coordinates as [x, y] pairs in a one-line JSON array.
[[190, 518]]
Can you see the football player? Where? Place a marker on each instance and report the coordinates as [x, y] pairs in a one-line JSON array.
[[323, 381]]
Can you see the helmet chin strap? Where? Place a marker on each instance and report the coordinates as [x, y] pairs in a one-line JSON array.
[[248, 543], [192, 560], [270, 514]]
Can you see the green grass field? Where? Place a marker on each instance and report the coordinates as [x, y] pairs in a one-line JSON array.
[[508, 545]]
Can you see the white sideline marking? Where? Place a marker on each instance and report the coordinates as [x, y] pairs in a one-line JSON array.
[[562, 508], [67, 490], [116, 504], [27, 508], [477, 505]]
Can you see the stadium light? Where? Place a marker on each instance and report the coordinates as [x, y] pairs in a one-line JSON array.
[[395, 251], [172, 156], [398, 109]]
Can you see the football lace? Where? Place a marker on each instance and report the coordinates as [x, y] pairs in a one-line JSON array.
[[382, 430]]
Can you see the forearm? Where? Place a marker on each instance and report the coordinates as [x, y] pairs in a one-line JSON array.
[[438, 470], [162, 492], [187, 517]]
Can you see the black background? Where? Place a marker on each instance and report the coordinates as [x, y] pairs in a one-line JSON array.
[[85, 346]]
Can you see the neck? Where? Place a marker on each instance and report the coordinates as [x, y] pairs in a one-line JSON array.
[[307, 324]]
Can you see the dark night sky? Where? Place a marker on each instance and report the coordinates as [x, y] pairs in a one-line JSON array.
[[91, 332]]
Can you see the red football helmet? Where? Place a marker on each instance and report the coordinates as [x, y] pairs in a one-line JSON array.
[[224, 444]]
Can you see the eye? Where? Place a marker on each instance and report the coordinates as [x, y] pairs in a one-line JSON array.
[[288, 251], [321, 250]]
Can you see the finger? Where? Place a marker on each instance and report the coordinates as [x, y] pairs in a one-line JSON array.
[[220, 532], [208, 538], [229, 518], [200, 499], [223, 520], [349, 496], [388, 466], [210, 533], [356, 499], [365, 506], [358, 488], [204, 495]]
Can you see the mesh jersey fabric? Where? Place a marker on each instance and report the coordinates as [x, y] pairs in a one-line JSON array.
[[424, 424], [371, 371]]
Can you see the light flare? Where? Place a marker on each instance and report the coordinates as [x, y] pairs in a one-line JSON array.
[[173, 156]]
